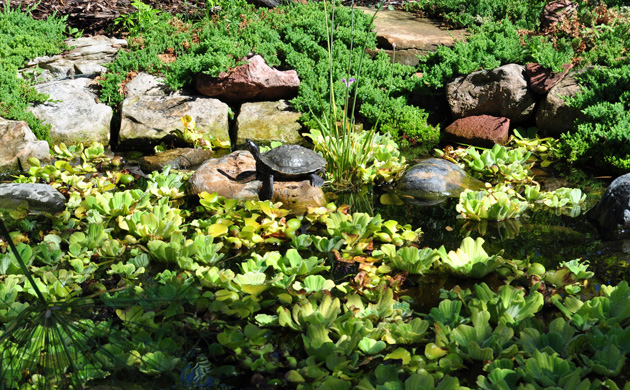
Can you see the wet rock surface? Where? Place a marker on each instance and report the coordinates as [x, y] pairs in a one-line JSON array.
[[433, 180], [180, 158], [612, 213], [268, 121], [32, 196]]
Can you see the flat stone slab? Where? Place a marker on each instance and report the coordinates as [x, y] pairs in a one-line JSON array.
[[410, 33], [268, 121]]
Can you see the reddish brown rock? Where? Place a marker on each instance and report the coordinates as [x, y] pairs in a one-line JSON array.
[[541, 80], [481, 130], [254, 80]]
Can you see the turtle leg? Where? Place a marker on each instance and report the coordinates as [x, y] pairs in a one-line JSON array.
[[316, 180], [266, 192]]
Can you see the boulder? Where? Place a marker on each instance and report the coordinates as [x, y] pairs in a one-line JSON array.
[[18, 145], [554, 116], [220, 175], [32, 196], [480, 130], [433, 180], [254, 80], [74, 112], [612, 213], [151, 118], [180, 158], [499, 92], [228, 176], [541, 80], [268, 121]]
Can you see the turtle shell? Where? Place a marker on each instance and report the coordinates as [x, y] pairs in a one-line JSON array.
[[293, 160]]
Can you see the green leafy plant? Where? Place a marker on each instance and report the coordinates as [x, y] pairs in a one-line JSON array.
[[469, 259]]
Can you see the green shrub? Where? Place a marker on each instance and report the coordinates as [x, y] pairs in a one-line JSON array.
[[603, 136], [468, 13], [23, 38]]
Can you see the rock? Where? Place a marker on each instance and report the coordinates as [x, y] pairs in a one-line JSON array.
[[433, 180], [254, 80], [541, 80], [480, 130], [412, 36], [223, 176], [180, 158], [612, 213], [219, 174], [555, 11], [268, 121], [146, 85], [554, 116], [18, 145], [74, 113], [86, 57], [32, 196], [499, 92], [151, 118], [297, 196]]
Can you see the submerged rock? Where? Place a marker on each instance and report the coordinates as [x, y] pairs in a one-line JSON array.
[[32, 196], [611, 215], [180, 158], [433, 180]]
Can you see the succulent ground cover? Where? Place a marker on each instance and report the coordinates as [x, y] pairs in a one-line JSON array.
[[136, 277]]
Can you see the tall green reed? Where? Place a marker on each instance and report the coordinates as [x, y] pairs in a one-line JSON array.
[[348, 149]]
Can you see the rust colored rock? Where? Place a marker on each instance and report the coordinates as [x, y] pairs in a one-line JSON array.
[[481, 130], [254, 80], [541, 80], [555, 11]]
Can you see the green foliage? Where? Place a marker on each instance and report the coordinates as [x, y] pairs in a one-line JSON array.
[[601, 137], [468, 13], [23, 38]]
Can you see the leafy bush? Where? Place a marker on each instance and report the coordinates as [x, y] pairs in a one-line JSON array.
[[468, 13], [23, 38], [602, 137]]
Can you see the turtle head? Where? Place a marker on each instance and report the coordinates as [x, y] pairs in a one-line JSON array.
[[253, 148]]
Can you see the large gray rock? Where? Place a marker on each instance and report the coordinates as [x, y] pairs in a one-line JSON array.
[[554, 116], [32, 196], [73, 112], [18, 145], [433, 180], [151, 118], [146, 85], [268, 121], [499, 92], [612, 212]]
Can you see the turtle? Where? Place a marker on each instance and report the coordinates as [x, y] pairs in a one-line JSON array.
[[286, 163]]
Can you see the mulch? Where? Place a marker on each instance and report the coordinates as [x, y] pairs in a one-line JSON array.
[[96, 17]]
